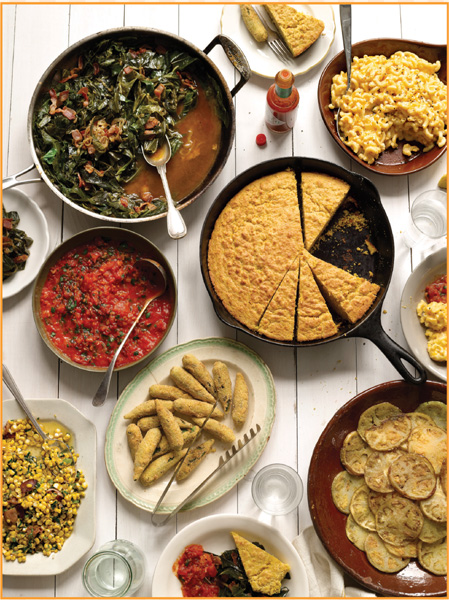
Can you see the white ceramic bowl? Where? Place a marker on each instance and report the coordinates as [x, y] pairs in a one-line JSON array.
[[213, 533], [425, 273]]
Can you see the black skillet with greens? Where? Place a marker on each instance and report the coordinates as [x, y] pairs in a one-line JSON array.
[[15, 245], [89, 128]]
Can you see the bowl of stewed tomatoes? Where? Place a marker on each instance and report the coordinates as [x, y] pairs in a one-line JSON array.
[[90, 290]]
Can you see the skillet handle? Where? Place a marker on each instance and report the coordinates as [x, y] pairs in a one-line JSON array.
[[12, 181], [393, 351], [236, 57]]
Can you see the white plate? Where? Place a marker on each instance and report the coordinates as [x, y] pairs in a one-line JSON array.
[[34, 224], [85, 443], [260, 385], [213, 533], [261, 59], [425, 273]]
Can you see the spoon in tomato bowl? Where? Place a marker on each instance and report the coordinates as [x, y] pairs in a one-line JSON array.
[[159, 277], [175, 223]]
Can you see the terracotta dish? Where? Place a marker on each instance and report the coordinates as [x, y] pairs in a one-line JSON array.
[[390, 162], [329, 522]]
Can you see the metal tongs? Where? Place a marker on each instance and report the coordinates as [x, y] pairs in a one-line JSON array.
[[229, 455]]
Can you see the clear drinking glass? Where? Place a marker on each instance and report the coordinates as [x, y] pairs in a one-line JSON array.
[[277, 489], [117, 569], [427, 221]]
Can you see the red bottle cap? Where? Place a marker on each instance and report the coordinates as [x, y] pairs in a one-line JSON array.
[[261, 139]]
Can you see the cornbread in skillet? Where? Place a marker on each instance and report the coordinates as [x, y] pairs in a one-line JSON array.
[[349, 295], [265, 572], [321, 196], [253, 242], [313, 319], [278, 321], [298, 30]]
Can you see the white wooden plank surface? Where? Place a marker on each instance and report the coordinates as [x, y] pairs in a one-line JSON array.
[[311, 384]]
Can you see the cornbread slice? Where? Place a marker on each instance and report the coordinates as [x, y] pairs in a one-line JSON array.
[[313, 319], [321, 196], [278, 321], [265, 572], [253, 242], [349, 295], [298, 30]]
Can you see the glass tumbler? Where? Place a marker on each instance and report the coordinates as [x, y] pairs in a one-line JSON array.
[[427, 221], [277, 489], [117, 569]]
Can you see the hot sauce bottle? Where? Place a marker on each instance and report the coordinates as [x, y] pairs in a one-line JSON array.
[[282, 103]]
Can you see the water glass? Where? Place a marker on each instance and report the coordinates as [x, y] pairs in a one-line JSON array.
[[277, 489], [117, 569], [428, 218]]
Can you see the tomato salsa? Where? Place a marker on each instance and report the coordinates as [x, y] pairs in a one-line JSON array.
[[90, 299], [437, 291], [197, 569]]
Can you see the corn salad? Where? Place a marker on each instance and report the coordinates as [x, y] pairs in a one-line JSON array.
[[42, 491]]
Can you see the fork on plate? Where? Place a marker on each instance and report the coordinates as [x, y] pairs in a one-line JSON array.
[[274, 42]]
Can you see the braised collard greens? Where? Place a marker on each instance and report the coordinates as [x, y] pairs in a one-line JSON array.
[[88, 130], [15, 245]]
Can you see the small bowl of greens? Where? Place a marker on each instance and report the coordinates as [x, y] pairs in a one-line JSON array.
[[25, 241]]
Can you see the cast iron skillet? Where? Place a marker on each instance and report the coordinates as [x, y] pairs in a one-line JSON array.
[[154, 37], [380, 263]]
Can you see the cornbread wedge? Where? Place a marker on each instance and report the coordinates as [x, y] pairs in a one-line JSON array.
[[298, 30], [265, 572], [253, 242], [278, 321], [349, 295], [313, 319], [321, 196]]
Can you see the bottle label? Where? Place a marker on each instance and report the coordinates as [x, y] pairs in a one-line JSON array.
[[280, 121]]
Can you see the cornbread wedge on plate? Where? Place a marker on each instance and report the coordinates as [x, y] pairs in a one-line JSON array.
[[313, 319], [253, 242], [298, 30], [321, 196], [349, 295], [264, 571], [278, 321]]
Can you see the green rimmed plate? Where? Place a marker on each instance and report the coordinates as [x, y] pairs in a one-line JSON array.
[[238, 358]]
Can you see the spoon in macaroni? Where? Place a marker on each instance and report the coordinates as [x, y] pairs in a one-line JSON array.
[[345, 20]]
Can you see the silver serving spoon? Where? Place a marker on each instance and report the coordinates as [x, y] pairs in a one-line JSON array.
[[13, 388], [175, 223], [160, 280], [345, 21]]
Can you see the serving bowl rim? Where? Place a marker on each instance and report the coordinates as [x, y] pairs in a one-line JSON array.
[[84, 237]]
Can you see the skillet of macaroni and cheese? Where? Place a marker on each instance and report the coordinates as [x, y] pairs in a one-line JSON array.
[[391, 99]]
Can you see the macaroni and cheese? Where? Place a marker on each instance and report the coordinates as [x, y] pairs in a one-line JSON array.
[[391, 99]]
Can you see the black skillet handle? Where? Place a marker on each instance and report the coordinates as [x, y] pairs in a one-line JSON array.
[[372, 330], [235, 55]]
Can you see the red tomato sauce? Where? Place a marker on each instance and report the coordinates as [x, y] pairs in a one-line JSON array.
[[90, 299], [437, 291], [196, 571]]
